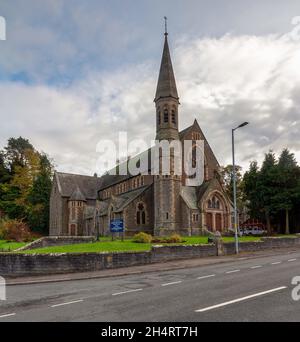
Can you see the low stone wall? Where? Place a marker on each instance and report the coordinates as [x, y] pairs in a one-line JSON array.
[[266, 244], [14, 264], [49, 241], [169, 253]]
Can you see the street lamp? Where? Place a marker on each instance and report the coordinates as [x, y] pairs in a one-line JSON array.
[[234, 189]]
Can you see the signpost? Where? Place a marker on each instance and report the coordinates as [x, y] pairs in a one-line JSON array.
[[117, 226]]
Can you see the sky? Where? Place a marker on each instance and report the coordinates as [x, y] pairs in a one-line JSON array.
[[73, 73]]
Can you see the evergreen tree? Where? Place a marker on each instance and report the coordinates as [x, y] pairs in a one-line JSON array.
[[288, 179], [251, 190], [267, 185], [39, 196]]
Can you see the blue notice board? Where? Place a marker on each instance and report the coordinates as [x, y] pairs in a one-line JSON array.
[[117, 226]]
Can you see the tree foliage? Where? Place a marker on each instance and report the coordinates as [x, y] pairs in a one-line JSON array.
[[273, 191], [25, 184]]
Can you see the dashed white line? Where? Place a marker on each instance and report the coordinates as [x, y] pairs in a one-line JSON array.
[[124, 292], [67, 303], [173, 283], [291, 260], [254, 267], [207, 276], [234, 271], [241, 299], [276, 263], [8, 315]]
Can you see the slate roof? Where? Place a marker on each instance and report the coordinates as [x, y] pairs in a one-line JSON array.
[[77, 195], [87, 185], [125, 199], [166, 85], [189, 195]]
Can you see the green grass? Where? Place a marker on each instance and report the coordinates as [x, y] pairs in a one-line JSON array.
[[6, 246], [106, 245]]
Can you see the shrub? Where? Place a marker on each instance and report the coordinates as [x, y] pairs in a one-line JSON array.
[[175, 238], [15, 230], [142, 238]]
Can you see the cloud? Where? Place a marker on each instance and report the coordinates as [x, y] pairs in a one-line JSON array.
[[222, 82]]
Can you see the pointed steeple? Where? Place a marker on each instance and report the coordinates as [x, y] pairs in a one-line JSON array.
[[166, 86], [166, 98]]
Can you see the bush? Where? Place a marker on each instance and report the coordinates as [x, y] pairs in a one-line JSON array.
[[175, 238], [142, 238], [15, 230]]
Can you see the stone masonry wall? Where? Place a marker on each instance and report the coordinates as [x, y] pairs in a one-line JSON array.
[[14, 265], [57, 241]]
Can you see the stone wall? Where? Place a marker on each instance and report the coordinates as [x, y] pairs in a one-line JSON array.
[[14, 265], [57, 241]]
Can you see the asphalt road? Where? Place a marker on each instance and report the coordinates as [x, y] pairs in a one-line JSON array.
[[252, 289]]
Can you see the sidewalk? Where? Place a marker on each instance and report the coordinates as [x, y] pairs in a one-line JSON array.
[[158, 267]]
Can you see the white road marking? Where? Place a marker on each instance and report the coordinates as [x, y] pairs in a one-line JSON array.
[[8, 315], [67, 303], [173, 283], [124, 292], [276, 263], [254, 267], [234, 271], [243, 258], [207, 276], [241, 299], [291, 260]]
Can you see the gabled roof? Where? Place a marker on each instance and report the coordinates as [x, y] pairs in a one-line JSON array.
[[189, 195], [125, 199], [207, 145], [77, 195], [69, 183], [166, 85]]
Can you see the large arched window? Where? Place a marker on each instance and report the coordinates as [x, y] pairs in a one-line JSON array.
[[141, 214], [214, 203]]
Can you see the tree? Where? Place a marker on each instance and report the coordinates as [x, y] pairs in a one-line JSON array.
[[39, 196], [15, 152], [267, 184], [227, 176], [26, 193], [251, 190], [4, 171], [287, 185]]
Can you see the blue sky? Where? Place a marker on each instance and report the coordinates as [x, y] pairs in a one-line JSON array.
[[73, 72]]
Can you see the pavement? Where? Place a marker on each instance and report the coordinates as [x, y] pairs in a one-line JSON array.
[[248, 287]]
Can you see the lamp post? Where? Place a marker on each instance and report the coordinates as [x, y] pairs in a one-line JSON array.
[[234, 189]]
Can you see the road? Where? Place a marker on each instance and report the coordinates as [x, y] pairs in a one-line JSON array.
[[250, 289]]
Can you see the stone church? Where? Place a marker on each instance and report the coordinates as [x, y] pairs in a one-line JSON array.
[[156, 204]]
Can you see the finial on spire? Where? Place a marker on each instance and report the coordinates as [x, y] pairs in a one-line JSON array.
[[166, 26]]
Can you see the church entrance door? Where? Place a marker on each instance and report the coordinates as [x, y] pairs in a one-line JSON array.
[[209, 221], [219, 222]]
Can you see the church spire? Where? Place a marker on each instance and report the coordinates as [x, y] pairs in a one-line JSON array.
[[166, 86], [166, 98]]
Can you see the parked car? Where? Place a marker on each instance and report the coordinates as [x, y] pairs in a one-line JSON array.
[[252, 231]]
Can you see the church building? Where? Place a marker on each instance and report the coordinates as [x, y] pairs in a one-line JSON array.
[[156, 204]]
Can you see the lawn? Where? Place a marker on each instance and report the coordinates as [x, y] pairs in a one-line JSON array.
[[106, 245], [6, 246]]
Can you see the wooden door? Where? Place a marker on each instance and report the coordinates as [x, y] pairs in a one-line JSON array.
[[219, 222], [73, 230], [209, 221]]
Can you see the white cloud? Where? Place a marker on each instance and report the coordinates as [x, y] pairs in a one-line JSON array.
[[222, 82]]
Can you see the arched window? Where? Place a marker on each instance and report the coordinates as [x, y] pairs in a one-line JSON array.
[[141, 214], [159, 116], [166, 115], [173, 116], [209, 204]]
